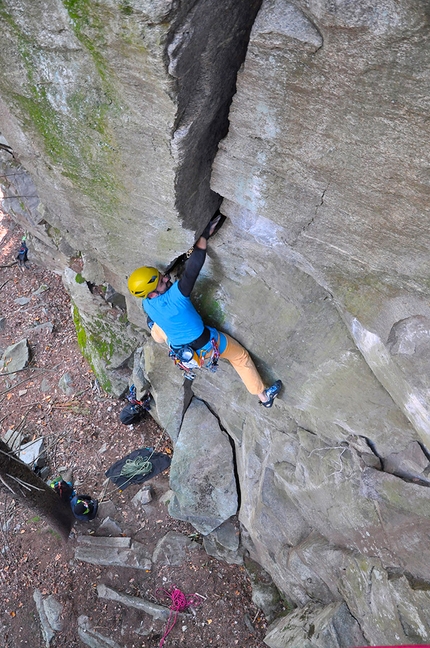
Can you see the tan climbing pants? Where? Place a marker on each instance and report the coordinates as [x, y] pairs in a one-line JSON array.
[[236, 354]]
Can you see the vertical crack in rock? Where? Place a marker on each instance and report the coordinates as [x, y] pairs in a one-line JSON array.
[[177, 264], [204, 53], [317, 207], [369, 587]]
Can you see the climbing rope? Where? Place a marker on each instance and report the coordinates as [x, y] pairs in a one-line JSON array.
[[138, 466], [180, 603], [145, 463]]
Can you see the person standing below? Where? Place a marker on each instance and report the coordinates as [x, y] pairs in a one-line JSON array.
[[173, 319], [22, 256], [84, 507]]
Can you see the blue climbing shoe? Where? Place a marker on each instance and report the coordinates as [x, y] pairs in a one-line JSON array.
[[271, 393]]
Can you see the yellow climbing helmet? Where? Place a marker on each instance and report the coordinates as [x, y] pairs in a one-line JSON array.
[[142, 281]]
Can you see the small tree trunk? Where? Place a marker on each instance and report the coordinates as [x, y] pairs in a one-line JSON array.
[[18, 479]]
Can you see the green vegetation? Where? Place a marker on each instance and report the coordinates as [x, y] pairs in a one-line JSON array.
[[209, 307], [80, 331], [79, 278], [88, 28], [93, 348], [125, 8], [54, 533], [74, 126], [36, 518], [99, 340]]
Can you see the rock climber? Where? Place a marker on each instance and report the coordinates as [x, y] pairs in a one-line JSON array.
[[173, 319]]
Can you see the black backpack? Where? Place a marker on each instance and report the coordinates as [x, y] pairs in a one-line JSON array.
[[131, 413], [63, 489], [135, 409]]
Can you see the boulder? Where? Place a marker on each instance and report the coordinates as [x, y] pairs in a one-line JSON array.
[[172, 549], [155, 610], [223, 543], [90, 637], [120, 551], [15, 357], [316, 626], [202, 472], [143, 496], [50, 611]]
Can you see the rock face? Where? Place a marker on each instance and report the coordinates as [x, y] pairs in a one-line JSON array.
[[202, 472], [117, 109], [321, 268], [331, 172]]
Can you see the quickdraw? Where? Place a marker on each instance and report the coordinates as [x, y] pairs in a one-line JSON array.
[[212, 364], [189, 374]]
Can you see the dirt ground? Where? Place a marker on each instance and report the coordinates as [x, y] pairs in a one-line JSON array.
[[82, 431]]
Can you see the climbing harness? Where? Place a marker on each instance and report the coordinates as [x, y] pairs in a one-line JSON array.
[[187, 359], [180, 603], [144, 403]]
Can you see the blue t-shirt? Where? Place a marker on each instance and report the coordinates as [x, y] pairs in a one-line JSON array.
[[176, 315]]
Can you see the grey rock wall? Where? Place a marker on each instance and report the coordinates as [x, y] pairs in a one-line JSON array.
[[321, 268], [323, 169], [116, 110], [328, 125]]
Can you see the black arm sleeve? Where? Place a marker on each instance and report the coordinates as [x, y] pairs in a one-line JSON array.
[[192, 270]]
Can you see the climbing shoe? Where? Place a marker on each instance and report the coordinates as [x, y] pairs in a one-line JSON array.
[[271, 393]]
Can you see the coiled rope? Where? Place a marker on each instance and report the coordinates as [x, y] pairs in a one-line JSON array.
[[180, 603], [138, 466]]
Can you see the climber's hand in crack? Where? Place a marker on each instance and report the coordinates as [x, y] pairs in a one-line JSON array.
[[212, 226], [209, 231]]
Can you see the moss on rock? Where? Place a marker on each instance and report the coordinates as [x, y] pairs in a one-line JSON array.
[[106, 345], [77, 138]]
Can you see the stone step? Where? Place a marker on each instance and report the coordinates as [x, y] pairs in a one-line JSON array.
[[121, 552]]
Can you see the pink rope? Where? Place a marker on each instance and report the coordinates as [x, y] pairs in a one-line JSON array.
[[180, 603]]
